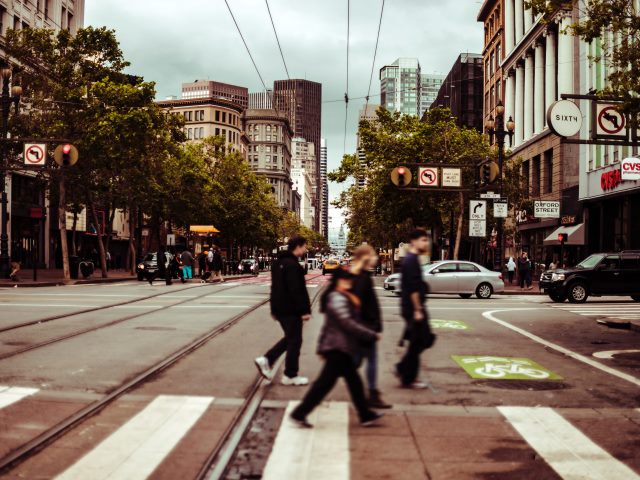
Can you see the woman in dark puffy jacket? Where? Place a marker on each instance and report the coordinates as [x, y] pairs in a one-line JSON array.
[[339, 344]]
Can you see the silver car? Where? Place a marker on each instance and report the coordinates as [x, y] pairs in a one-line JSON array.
[[457, 277]]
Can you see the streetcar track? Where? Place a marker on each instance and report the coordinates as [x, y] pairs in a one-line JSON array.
[[49, 436]]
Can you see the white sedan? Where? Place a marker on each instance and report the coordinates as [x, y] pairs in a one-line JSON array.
[[457, 277]]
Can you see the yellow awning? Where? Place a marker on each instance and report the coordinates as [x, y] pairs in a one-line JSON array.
[[203, 229]]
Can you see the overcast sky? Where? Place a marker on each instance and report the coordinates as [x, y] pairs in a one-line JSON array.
[[171, 42]]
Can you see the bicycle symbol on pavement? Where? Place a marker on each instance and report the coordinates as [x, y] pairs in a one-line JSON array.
[[450, 324], [504, 368]]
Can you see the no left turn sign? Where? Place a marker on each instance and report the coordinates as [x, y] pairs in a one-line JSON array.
[[610, 122], [428, 177], [35, 154]]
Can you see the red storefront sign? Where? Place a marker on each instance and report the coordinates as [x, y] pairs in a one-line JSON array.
[[610, 180]]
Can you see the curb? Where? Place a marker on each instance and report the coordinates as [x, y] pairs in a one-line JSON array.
[[633, 325]]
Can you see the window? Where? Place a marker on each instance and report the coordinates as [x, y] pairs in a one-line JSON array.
[[224, 117], [268, 138], [267, 148], [548, 171], [447, 268], [217, 115], [612, 262], [201, 132], [196, 133], [268, 128], [190, 134], [525, 178], [535, 180], [467, 267], [269, 158], [630, 263], [217, 131]]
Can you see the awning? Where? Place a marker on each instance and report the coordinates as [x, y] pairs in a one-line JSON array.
[[203, 229], [575, 235]]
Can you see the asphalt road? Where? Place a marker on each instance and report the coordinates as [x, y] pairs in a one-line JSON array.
[[470, 423]]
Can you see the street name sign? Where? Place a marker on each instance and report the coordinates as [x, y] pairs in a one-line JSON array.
[[546, 209], [610, 123], [451, 177], [478, 228], [500, 208], [428, 177], [35, 154], [630, 168], [564, 118], [489, 195], [477, 210]]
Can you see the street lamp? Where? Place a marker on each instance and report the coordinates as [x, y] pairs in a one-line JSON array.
[[496, 128], [8, 99]]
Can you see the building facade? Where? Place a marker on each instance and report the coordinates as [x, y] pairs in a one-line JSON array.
[[430, 84], [367, 113], [52, 14], [269, 152], [324, 197], [462, 91], [400, 86], [303, 185], [211, 89], [261, 100], [212, 116]]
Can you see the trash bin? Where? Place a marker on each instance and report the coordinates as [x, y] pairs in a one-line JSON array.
[[74, 265]]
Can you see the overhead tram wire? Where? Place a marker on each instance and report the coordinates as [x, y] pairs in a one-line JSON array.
[[346, 93], [277, 40], [375, 52]]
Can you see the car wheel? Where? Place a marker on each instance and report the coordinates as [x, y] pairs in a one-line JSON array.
[[465, 295], [578, 293], [556, 297], [484, 291], [636, 298], [140, 277]]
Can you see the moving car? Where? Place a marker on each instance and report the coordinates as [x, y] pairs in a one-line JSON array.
[[600, 274], [149, 265], [248, 265], [330, 264], [456, 277]]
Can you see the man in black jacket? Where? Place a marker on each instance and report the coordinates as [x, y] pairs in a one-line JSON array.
[[290, 306]]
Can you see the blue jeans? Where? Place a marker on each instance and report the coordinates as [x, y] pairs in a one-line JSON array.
[[371, 371], [187, 272]]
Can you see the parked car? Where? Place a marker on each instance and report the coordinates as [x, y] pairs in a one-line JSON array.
[[455, 277], [330, 264], [616, 274], [248, 265], [149, 265]]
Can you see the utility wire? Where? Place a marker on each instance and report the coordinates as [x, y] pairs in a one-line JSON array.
[[277, 39], [346, 93], [375, 52]]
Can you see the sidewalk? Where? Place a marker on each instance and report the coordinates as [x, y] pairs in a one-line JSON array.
[[54, 277], [516, 290]]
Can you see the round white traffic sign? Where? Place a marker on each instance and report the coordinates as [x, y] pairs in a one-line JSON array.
[[35, 154], [564, 118], [428, 177], [611, 121]]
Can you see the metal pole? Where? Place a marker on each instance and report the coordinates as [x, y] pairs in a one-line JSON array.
[[500, 134], [4, 237]]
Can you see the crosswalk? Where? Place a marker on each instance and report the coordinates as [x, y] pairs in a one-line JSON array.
[[556, 443], [624, 311]]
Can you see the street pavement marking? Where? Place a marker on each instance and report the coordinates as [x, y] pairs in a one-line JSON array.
[[319, 453], [9, 395], [48, 305], [576, 356], [137, 448], [609, 354], [448, 324], [629, 311], [503, 368], [565, 448]]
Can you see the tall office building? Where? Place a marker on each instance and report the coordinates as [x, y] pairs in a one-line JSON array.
[[324, 204], [400, 86], [212, 89], [430, 84], [301, 100], [368, 113], [261, 100]]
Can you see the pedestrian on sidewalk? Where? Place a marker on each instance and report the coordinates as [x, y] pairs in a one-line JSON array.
[[414, 312], [216, 263], [164, 270], [187, 264], [339, 344], [291, 307], [524, 271], [363, 262], [511, 269]]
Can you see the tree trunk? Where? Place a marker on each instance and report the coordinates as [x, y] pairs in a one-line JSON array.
[[456, 250], [109, 230], [103, 257], [74, 248], [132, 245], [62, 224]]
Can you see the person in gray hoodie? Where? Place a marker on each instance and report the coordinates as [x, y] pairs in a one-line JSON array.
[[339, 344]]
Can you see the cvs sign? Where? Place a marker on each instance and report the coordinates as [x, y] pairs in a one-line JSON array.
[[630, 169]]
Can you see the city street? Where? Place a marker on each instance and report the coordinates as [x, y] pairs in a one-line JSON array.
[[165, 387]]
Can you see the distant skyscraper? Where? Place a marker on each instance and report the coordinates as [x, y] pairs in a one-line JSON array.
[[211, 89], [324, 205], [368, 112], [400, 86], [261, 100], [430, 86]]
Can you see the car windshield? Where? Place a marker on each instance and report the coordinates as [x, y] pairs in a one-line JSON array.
[[150, 257], [590, 261]]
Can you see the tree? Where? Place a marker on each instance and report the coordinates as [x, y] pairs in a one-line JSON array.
[[615, 25]]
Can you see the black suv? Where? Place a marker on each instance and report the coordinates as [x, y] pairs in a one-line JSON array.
[[149, 265], [599, 274]]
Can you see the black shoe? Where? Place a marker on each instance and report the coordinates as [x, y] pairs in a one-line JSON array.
[[300, 422], [375, 400], [371, 419]]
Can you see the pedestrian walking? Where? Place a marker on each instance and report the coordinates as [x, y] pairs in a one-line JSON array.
[[511, 269], [202, 263], [164, 270], [339, 344], [524, 271], [363, 262], [187, 264], [414, 294], [290, 306], [216, 263]]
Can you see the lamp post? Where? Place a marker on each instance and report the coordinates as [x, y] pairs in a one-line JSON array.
[[496, 129], [7, 98]]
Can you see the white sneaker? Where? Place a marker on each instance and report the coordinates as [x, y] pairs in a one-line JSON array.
[[297, 381], [262, 365]]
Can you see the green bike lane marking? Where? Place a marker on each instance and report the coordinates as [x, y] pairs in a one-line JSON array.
[[503, 368], [437, 323]]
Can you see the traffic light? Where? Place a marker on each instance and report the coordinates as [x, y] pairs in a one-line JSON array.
[[401, 179], [563, 237], [65, 155], [489, 173], [401, 176], [486, 174]]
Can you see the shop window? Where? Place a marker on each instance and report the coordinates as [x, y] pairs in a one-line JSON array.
[[548, 171]]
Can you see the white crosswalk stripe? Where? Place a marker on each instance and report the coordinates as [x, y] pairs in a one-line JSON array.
[[10, 395], [628, 311]]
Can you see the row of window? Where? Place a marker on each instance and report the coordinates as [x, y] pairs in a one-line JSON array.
[[492, 62], [194, 133], [538, 174]]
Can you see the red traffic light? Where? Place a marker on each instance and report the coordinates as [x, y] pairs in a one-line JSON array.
[[563, 237], [66, 149], [401, 170]]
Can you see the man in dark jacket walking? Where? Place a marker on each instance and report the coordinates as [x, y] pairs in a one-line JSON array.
[[290, 306]]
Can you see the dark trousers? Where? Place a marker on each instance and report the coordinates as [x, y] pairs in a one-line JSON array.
[[525, 277], [511, 276], [337, 364], [409, 366], [290, 343]]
